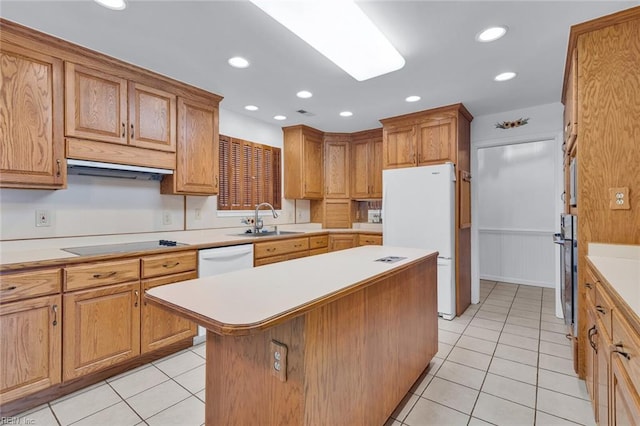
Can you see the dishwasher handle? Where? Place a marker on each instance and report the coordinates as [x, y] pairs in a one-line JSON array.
[[226, 253]]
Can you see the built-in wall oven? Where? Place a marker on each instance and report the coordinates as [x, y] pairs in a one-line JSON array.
[[568, 241]]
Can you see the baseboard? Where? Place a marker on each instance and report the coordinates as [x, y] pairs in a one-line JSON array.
[[517, 281]]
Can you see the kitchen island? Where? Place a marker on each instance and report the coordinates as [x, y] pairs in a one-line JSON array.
[[333, 339]]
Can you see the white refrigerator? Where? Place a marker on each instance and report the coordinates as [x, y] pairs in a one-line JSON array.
[[418, 211]]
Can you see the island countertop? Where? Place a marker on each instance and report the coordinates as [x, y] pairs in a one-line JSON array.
[[248, 301]]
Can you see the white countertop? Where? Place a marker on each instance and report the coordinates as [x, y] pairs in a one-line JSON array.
[[620, 266], [38, 250], [253, 296]]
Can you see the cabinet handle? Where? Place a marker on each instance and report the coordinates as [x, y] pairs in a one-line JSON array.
[[124, 129], [109, 275], [271, 249], [216, 181], [54, 308], [137, 293], [600, 309], [588, 285], [13, 287], [562, 196], [132, 132], [58, 171], [170, 265], [297, 245], [592, 331], [618, 348]]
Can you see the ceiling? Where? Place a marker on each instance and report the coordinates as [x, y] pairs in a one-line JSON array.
[[191, 41]]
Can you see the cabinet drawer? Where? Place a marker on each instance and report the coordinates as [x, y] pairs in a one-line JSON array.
[[271, 259], [164, 264], [273, 248], [318, 242], [323, 250], [99, 274], [603, 306], [369, 240], [626, 341], [29, 284], [297, 255]]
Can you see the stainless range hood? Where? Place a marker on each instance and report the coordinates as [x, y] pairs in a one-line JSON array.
[[121, 171]]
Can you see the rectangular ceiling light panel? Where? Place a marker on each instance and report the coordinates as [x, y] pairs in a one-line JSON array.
[[339, 30]]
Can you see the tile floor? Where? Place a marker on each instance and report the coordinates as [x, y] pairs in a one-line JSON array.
[[504, 362]]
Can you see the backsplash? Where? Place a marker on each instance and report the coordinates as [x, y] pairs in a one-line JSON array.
[[101, 206]]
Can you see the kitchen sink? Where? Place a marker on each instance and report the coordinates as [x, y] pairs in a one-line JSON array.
[[268, 234]]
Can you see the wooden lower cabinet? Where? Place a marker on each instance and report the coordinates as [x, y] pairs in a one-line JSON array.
[[30, 346], [158, 327], [591, 361], [369, 240], [625, 401], [601, 383], [342, 241], [101, 328]]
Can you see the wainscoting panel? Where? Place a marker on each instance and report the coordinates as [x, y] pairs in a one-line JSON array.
[[519, 256]]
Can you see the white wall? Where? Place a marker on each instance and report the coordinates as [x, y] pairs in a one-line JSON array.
[[101, 206], [545, 124]]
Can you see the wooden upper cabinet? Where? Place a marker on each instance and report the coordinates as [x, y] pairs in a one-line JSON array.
[[436, 141], [571, 103], [95, 105], [399, 149], [336, 172], [152, 118], [366, 164], [104, 107], [304, 163], [196, 150], [31, 129]]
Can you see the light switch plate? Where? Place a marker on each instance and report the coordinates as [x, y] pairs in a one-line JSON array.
[[619, 198], [278, 360]]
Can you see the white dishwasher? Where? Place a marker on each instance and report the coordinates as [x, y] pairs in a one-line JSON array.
[[220, 260]]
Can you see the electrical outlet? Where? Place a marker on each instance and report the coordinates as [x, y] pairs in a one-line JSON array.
[[278, 360], [43, 218], [166, 218], [198, 214], [619, 198]]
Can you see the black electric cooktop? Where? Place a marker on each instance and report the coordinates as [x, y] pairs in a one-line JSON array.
[[122, 248]]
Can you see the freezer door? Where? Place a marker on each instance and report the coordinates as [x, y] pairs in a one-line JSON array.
[[418, 208]]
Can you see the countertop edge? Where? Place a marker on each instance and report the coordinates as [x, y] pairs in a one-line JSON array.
[[256, 327]]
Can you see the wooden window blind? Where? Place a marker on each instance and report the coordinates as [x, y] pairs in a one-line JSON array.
[[250, 173]]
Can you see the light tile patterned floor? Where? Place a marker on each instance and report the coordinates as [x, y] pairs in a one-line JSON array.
[[504, 362]]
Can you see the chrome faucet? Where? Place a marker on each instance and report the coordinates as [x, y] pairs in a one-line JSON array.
[[257, 222]]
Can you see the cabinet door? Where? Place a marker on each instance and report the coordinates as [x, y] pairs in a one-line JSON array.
[[360, 184], [160, 327], [436, 141], [30, 346], [375, 168], [602, 378], [101, 328], [312, 166], [95, 105], [337, 213], [625, 400], [197, 149], [152, 118], [337, 169], [342, 242], [591, 356], [570, 103], [31, 128], [399, 147]]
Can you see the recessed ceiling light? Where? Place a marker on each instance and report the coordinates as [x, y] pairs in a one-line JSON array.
[[346, 114], [412, 98], [251, 108], [238, 62], [112, 4], [353, 42], [505, 76], [491, 34], [304, 94], [279, 117]]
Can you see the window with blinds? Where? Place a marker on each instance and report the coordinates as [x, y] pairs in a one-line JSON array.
[[249, 174]]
